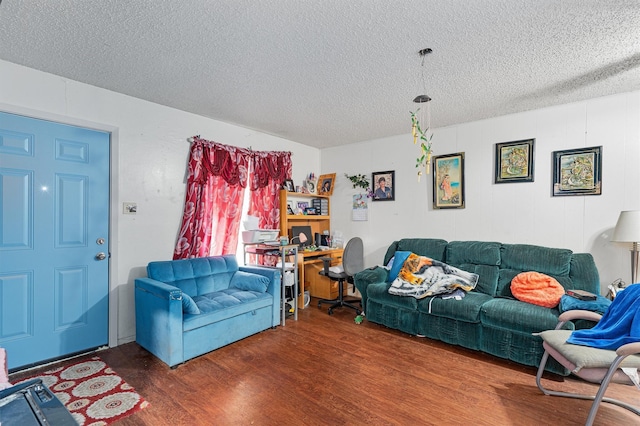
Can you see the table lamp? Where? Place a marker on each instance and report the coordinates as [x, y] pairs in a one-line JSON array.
[[301, 237], [628, 231]]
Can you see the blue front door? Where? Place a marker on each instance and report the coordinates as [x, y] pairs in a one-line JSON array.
[[54, 248]]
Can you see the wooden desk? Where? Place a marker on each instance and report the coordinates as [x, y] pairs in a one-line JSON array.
[[309, 266]]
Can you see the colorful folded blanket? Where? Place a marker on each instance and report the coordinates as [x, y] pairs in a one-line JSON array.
[[421, 276]]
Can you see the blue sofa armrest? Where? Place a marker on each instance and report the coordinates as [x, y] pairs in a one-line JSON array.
[[159, 289], [274, 288], [369, 276], [159, 319]]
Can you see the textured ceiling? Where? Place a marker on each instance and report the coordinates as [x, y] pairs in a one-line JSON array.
[[331, 72]]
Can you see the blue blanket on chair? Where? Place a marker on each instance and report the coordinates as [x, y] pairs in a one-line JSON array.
[[619, 325]]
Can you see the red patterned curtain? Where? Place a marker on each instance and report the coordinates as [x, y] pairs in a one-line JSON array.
[[268, 172], [213, 206]]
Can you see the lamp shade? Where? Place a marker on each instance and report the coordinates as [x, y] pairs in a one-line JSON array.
[[628, 227]]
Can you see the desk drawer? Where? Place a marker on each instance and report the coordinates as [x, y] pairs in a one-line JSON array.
[[318, 285]]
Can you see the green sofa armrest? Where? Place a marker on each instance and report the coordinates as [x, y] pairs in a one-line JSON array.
[[369, 276], [584, 273]]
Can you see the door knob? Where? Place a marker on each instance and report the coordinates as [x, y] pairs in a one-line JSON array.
[[101, 256]]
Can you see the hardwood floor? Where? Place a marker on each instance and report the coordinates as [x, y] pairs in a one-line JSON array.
[[326, 370]]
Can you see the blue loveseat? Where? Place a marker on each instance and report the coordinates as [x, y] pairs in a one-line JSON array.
[[186, 308]]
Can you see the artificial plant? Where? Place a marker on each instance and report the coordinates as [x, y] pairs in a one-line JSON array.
[[425, 136], [360, 181]]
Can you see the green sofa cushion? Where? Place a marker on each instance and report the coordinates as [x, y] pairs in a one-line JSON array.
[[509, 314], [379, 292], [466, 309], [487, 277], [482, 258], [432, 248], [474, 252], [546, 260]]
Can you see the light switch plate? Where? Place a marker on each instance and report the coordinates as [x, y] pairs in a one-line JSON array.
[[129, 208]]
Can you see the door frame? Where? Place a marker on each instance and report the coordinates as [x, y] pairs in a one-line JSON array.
[[113, 197]]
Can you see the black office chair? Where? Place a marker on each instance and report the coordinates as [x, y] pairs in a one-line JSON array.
[[352, 263]]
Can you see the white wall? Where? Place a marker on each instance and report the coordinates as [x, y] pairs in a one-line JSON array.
[[149, 156], [514, 212]]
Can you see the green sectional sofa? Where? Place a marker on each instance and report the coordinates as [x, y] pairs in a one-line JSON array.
[[489, 318]]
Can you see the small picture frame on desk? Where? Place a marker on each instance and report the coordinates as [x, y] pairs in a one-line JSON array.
[[310, 211], [290, 209], [310, 186], [289, 186]]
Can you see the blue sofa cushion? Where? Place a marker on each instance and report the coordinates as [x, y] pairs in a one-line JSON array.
[[195, 276], [600, 305], [398, 260], [188, 305], [224, 304], [224, 299], [249, 282]]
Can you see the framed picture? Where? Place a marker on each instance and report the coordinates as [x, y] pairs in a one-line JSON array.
[[290, 208], [448, 181], [326, 183], [514, 161], [310, 186], [384, 184], [577, 171], [302, 206], [289, 186]]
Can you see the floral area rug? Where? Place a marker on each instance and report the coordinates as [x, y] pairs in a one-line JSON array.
[[92, 392]]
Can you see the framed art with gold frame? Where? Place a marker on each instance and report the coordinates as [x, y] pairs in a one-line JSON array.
[[326, 183]]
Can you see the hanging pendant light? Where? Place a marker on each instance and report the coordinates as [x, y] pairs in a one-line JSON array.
[[421, 122]]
